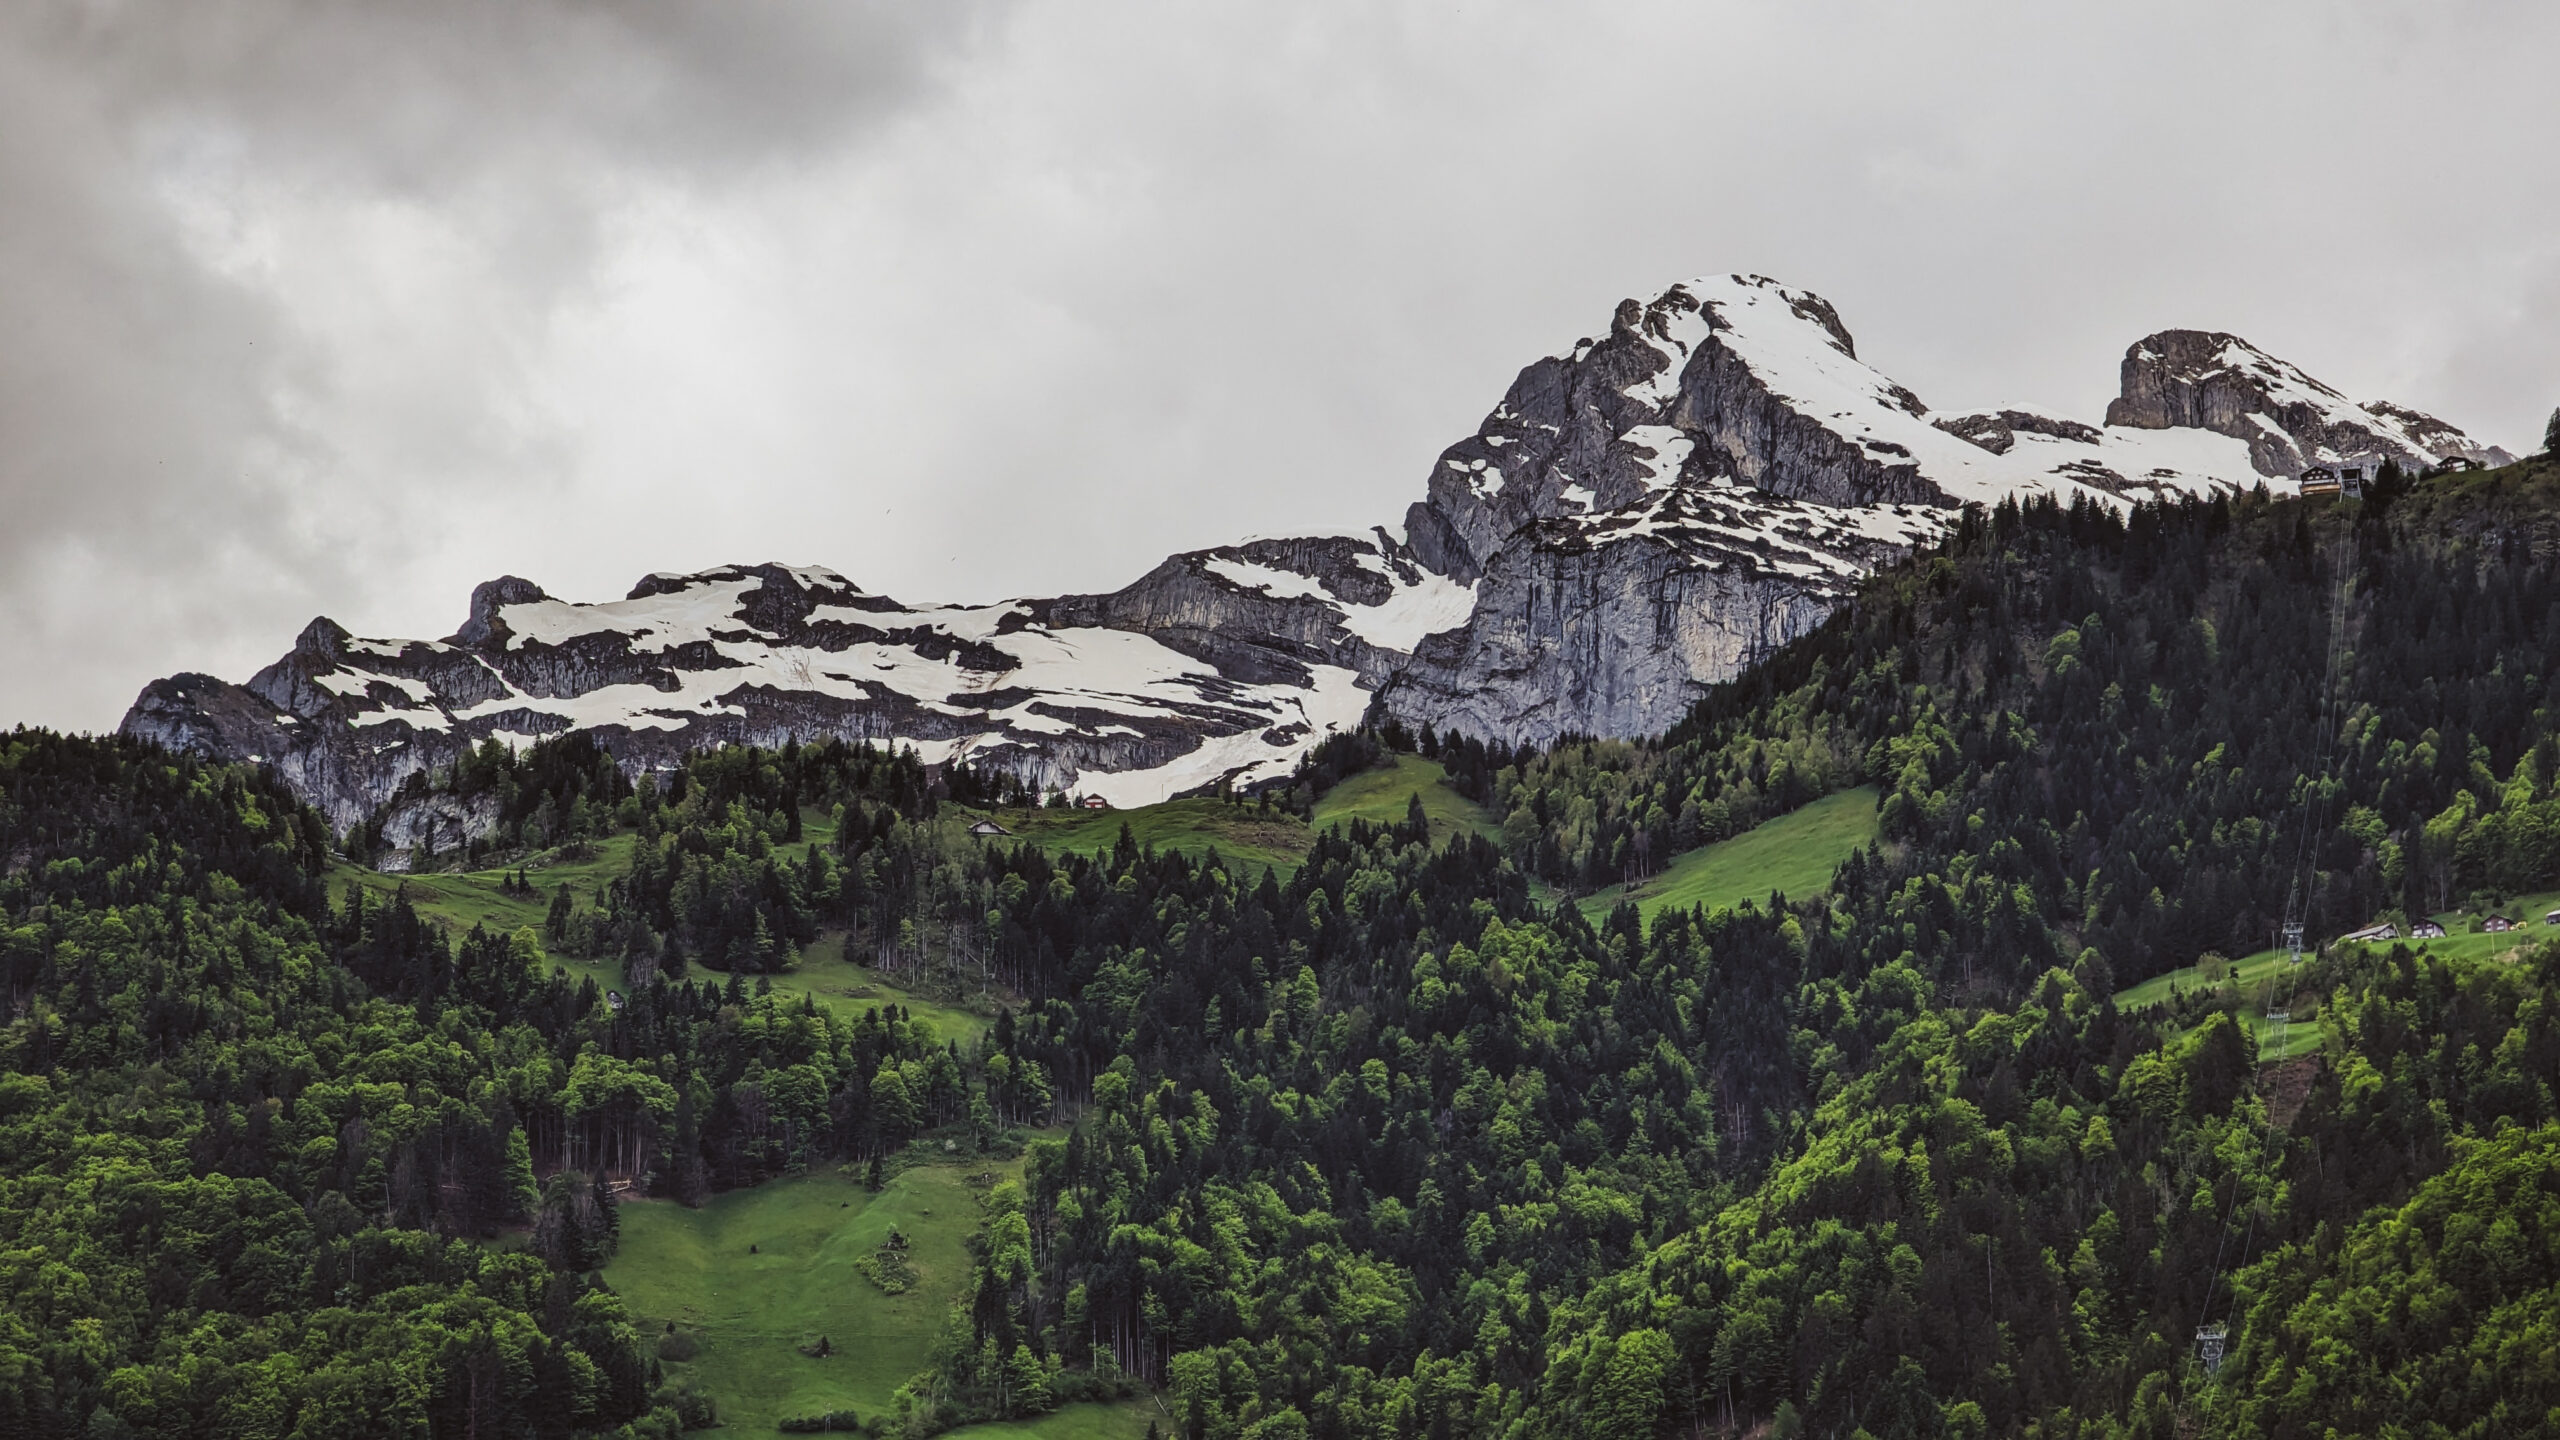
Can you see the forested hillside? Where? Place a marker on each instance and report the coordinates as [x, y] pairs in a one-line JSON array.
[[2122, 717], [1387, 1145], [253, 1141]]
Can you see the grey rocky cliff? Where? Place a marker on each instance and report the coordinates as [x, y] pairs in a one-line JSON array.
[[1264, 634], [1616, 628]]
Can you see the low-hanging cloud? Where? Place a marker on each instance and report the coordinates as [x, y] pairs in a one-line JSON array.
[[341, 308]]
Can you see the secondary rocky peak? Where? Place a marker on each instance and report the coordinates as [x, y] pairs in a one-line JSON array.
[[2435, 436], [323, 639], [484, 628], [2214, 381], [2208, 380]]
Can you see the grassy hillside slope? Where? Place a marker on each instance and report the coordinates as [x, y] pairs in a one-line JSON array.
[[2264, 981], [1245, 834], [746, 1312], [744, 1315], [1380, 797], [1793, 855], [459, 900], [1250, 836]]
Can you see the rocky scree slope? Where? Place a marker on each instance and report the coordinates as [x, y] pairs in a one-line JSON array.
[[1636, 520]]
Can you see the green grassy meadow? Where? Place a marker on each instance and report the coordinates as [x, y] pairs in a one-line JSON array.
[[1244, 834], [848, 989], [1249, 837], [2262, 982], [1380, 797], [1793, 854], [462, 899], [748, 1312], [459, 900], [2259, 979]]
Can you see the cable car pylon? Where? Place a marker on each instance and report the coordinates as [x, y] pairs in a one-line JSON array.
[[2213, 1337]]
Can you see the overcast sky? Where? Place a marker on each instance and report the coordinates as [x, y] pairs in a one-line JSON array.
[[340, 309]]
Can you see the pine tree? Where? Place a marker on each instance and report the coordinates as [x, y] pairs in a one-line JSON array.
[[559, 1234], [1027, 1381], [523, 1194], [557, 923], [604, 1231], [692, 1180], [2551, 435]]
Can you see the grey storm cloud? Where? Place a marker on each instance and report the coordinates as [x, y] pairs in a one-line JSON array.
[[339, 308], [177, 477]]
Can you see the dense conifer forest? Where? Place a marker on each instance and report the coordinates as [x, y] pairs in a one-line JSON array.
[[1398, 1143]]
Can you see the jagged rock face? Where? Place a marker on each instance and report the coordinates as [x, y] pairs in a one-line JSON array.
[[1997, 430], [1738, 378], [1606, 626], [1635, 521], [433, 824], [1265, 610], [2207, 380]]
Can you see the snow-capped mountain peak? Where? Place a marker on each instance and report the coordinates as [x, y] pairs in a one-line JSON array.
[[1635, 519]]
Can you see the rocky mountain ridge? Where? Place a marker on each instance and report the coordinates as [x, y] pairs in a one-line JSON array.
[[1634, 521]]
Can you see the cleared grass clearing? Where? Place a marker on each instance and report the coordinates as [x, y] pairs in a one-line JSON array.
[[459, 900], [849, 989], [2260, 982], [1794, 854], [748, 1312], [1381, 796], [1247, 836], [462, 899]]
